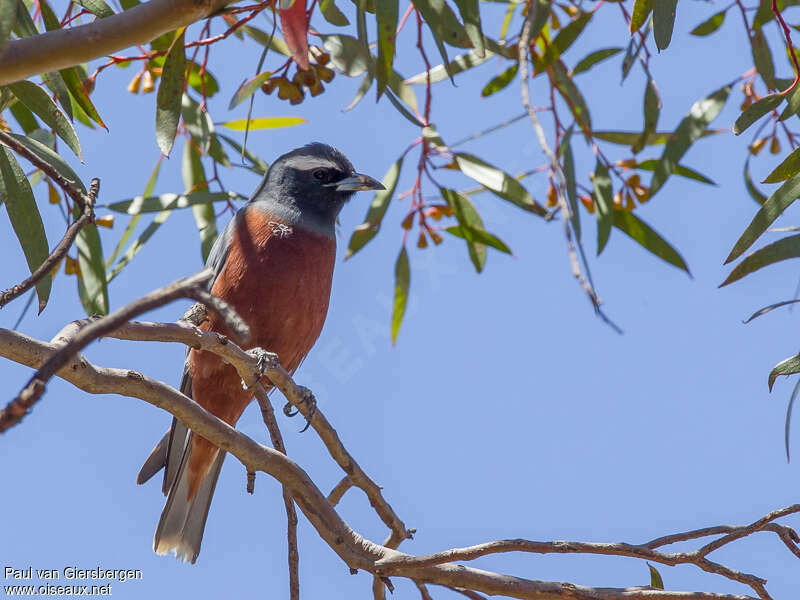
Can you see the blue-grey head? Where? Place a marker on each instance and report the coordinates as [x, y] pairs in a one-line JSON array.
[[309, 186]]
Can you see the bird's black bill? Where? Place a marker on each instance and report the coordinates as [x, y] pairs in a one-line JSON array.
[[357, 183]]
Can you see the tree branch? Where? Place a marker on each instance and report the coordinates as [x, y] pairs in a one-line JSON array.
[[86, 217], [356, 551], [64, 48]]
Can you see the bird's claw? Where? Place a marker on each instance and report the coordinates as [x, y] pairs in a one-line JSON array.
[[308, 399], [264, 360]]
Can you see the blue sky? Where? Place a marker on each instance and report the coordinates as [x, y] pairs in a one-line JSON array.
[[506, 409]]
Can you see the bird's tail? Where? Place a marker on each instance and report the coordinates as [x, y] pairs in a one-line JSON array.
[[180, 529]]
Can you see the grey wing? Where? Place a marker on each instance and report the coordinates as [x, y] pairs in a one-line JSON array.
[[168, 452]]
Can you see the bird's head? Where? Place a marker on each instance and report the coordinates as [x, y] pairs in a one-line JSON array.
[[309, 185]]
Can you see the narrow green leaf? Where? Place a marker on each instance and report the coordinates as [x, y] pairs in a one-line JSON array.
[[25, 219], [459, 64], [655, 578], [170, 92], [471, 16], [205, 84], [754, 192], [663, 21], [466, 214], [790, 366], [39, 101], [710, 25], [50, 157], [194, 180], [789, 167], [788, 424], [499, 182], [8, 18], [593, 58], [628, 138], [197, 122], [377, 209], [402, 282], [562, 41], [148, 204], [642, 233], [641, 11], [137, 245], [778, 202], [762, 57], [134, 221], [257, 165], [78, 92], [652, 110], [500, 81], [363, 88], [770, 308], [783, 249], [402, 109], [604, 201], [479, 235], [568, 163], [92, 283], [443, 23], [332, 13], [651, 164], [386, 16], [572, 96], [755, 111], [24, 25], [96, 7], [690, 129], [263, 123], [541, 12], [348, 54], [24, 117], [792, 100]]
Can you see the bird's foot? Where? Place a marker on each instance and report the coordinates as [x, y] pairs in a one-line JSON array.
[[264, 361], [309, 400]]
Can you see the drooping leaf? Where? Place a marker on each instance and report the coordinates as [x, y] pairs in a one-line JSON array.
[[663, 21], [783, 249], [347, 54], [202, 81], [332, 13], [38, 101], [651, 164], [762, 57], [642, 233], [24, 117], [197, 122], [479, 235], [25, 219], [170, 92], [402, 282], [92, 283], [294, 25], [778, 202], [688, 131], [194, 180], [792, 100], [541, 12], [257, 165], [80, 96], [386, 16], [568, 165], [593, 58], [459, 64], [788, 424], [789, 167], [652, 110], [499, 182], [8, 18], [377, 209], [710, 25], [562, 41], [790, 366], [572, 96], [137, 245], [500, 81], [754, 192], [470, 14], [443, 22], [628, 138], [50, 157], [603, 200], [467, 215], [641, 11], [755, 111]]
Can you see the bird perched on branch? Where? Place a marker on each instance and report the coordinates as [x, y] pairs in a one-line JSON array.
[[273, 263]]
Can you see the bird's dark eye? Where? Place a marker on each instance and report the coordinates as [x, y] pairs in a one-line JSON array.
[[321, 175]]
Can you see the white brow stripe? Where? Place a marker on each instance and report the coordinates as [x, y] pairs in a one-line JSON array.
[[311, 162]]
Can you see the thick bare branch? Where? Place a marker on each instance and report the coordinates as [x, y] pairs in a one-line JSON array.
[[356, 551], [64, 48]]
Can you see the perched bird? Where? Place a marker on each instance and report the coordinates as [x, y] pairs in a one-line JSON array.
[[273, 263]]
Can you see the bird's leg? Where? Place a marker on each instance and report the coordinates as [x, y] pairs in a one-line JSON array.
[[308, 399]]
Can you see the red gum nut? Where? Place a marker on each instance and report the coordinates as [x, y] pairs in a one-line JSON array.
[[294, 25]]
